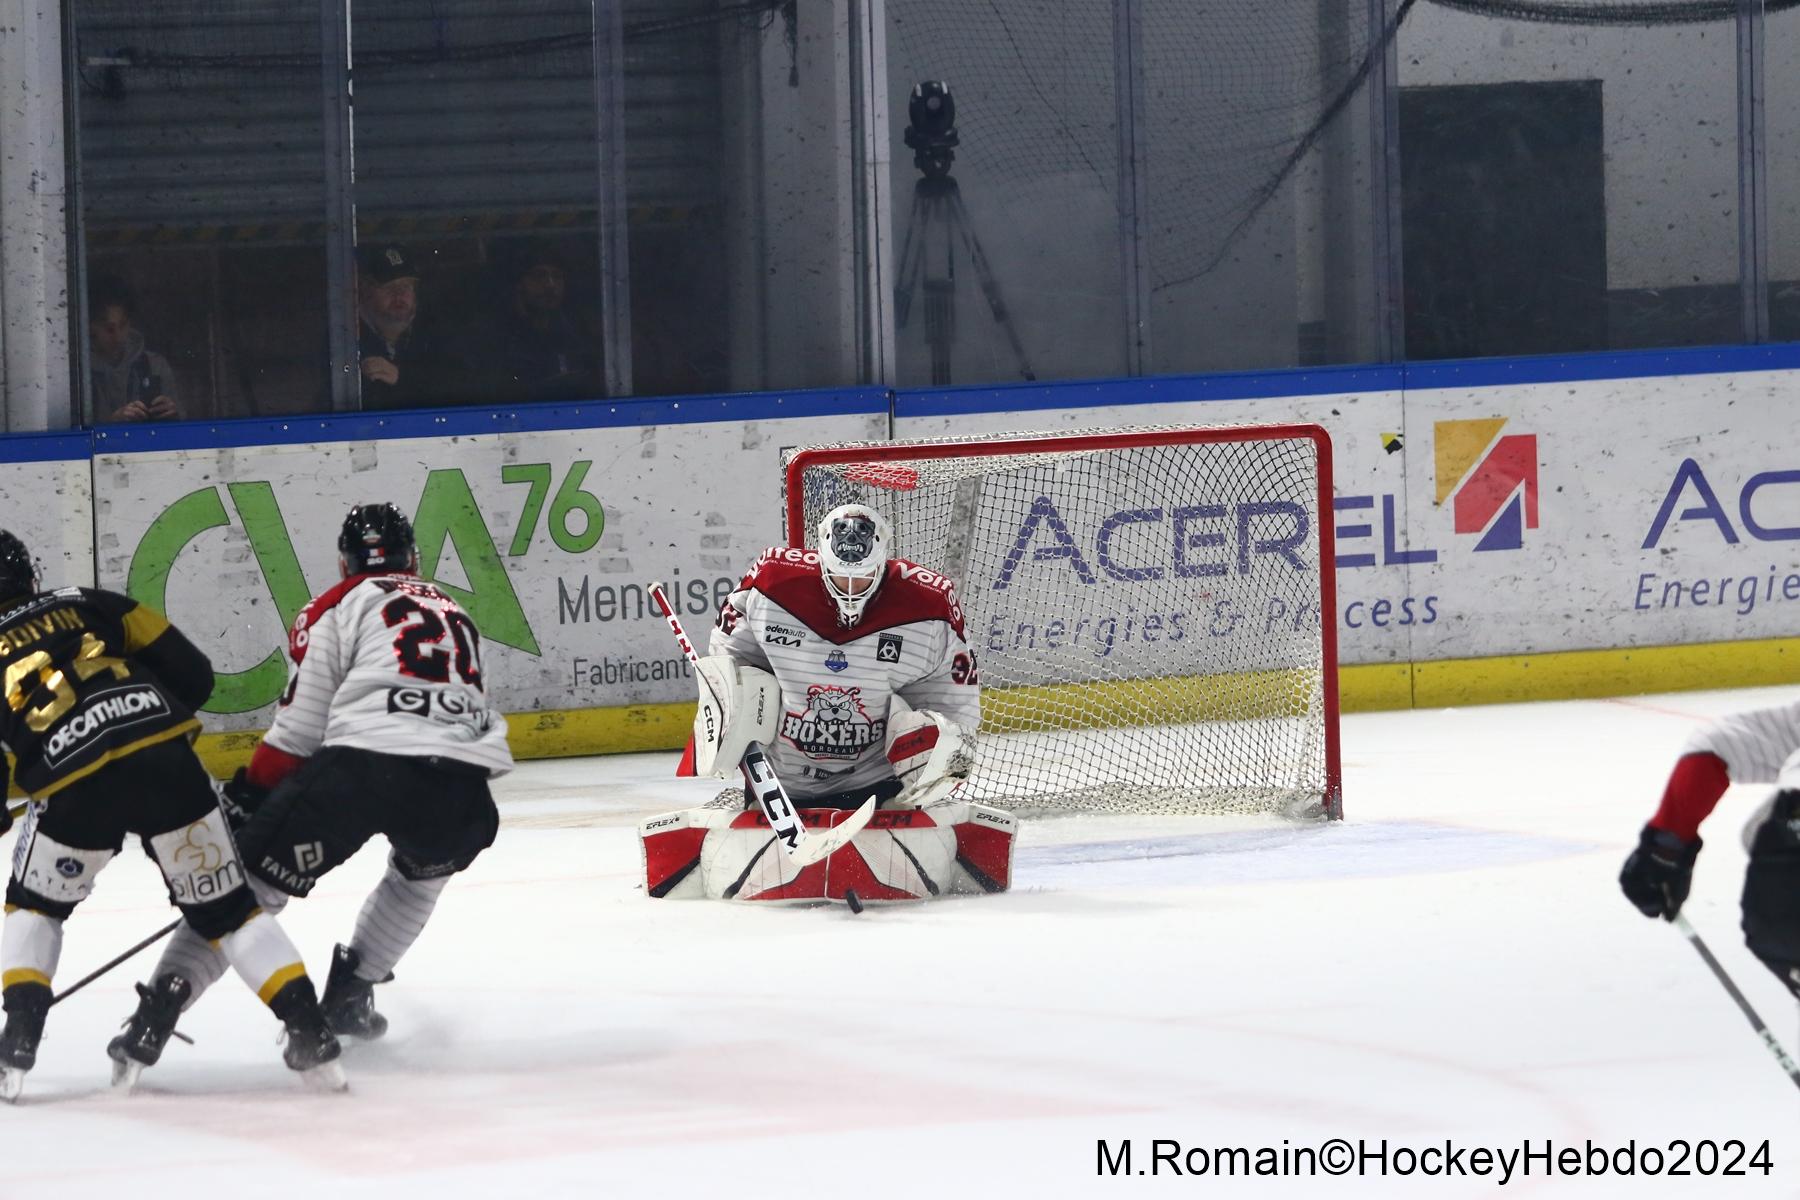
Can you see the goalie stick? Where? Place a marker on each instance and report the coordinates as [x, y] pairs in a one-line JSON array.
[[804, 847]]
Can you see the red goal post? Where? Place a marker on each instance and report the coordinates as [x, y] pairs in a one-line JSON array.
[[1153, 610]]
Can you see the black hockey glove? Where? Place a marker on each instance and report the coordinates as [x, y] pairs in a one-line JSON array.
[[240, 798], [1659, 872]]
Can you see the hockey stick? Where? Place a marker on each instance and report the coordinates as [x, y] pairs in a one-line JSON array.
[[97, 972], [1756, 1022], [804, 847]]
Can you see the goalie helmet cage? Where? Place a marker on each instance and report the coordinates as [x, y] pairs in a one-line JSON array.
[[1152, 611]]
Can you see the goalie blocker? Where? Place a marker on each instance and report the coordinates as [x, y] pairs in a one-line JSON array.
[[953, 848]]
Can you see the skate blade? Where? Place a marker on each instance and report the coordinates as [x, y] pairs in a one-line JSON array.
[[12, 1082], [326, 1077], [125, 1073]]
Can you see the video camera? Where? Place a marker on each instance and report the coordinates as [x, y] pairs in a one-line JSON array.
[[932, 134]]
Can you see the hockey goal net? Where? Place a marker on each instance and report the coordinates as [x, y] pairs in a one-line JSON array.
[[1144, 606]]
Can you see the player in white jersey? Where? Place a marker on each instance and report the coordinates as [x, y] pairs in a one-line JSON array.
[[385, 728], [843, 631], [1755, 746]]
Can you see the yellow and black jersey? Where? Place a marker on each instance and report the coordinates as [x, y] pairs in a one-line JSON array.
[[90, 676]]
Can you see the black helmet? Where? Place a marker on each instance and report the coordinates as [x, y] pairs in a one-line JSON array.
[[376, 538], [18, 574]]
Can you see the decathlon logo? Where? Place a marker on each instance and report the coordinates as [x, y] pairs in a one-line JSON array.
[[1491, 481], [112, 709]]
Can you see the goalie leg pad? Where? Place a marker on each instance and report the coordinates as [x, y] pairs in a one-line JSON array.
[[1772, 891], [738, 705], [903, 854], [984, 847]]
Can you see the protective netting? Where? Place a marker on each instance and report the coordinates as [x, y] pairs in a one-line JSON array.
[[1237, 98], [1145, 618]]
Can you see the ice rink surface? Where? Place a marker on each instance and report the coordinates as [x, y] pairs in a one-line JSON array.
[[1453, 964]]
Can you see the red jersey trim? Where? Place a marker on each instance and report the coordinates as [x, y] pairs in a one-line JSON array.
[[323, 603], [1693, 791], [269, 765], [908, 595]]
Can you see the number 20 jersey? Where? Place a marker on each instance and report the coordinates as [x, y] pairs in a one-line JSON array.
[[389, 663]]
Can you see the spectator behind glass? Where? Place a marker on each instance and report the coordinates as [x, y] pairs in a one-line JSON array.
[[403, 366], [534, 348], [129, 381]]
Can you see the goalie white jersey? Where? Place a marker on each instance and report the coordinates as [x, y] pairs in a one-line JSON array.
[[837, 682], [389, 663]]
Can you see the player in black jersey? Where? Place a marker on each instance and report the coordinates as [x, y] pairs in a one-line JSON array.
[[100, 697]]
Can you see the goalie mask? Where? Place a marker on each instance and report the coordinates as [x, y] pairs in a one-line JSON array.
[[853, 555]]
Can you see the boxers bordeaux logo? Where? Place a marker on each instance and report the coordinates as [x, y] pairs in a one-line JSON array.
[[834, 724], [887, 648]]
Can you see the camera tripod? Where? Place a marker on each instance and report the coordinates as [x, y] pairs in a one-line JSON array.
[[938, 214]]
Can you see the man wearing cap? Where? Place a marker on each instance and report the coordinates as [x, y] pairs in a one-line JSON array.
[[401, 368]]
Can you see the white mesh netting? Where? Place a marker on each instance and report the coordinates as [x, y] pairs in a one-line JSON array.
[[1145, 617]]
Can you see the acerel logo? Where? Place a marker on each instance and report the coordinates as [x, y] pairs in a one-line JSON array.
[[1491, 481]]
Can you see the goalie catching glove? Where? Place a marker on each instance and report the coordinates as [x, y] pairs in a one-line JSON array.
[[930, 755], [738, 705]]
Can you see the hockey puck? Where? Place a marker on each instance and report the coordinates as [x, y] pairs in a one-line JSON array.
[[850, 898]]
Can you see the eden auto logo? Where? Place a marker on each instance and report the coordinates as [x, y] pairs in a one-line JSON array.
[[1490, 480]]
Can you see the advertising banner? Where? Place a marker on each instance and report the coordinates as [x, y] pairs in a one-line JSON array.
[[1359, 423], [1618, 513], [1483, 521], [547, 538], [46, 500]]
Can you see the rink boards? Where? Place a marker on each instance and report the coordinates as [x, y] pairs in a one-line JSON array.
[[1506, 529]]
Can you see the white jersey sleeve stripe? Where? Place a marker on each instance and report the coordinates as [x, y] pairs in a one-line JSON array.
[[1753, 744], [300, 722]]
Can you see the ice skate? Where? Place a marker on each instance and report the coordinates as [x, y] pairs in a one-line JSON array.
[[349, 1001], [27, 1004], [148, 1030], [311, 1048]]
